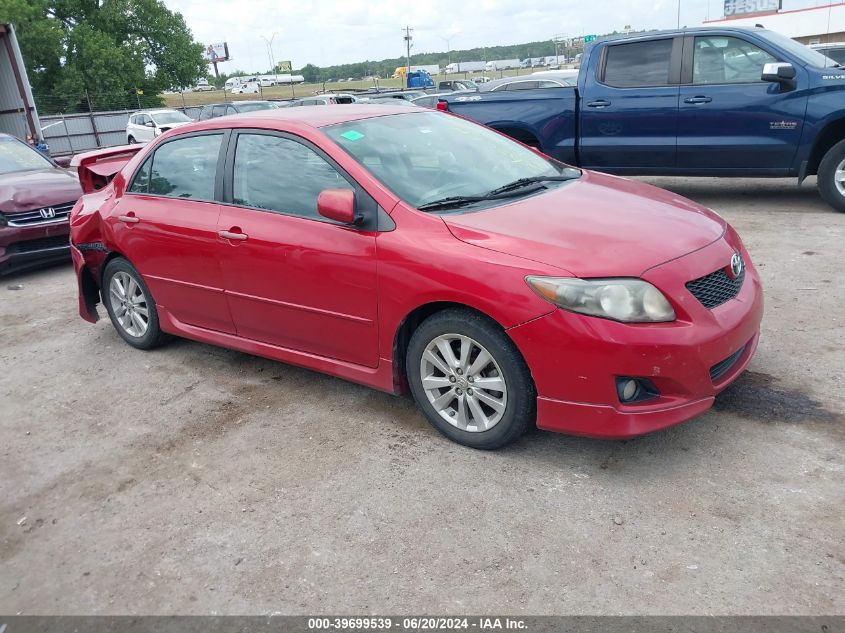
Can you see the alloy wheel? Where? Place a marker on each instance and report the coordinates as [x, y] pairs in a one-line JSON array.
[[463, 382], [839, 178], [129, 304]]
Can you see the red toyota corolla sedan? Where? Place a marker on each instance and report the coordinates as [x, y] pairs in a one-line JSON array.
[[416, 251]]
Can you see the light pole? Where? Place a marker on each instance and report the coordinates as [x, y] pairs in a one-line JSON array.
[[448, 41], [270, 51]]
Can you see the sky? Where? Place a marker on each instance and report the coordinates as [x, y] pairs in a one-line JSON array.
[[327, 32]]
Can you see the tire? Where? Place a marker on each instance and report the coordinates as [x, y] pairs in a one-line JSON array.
[[831, 168], [120, 273], [468, 417], [131, 140]]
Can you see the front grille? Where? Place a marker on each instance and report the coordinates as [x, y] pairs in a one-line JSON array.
[[716, 288], [41, 244], [723, 367], [61, 213]]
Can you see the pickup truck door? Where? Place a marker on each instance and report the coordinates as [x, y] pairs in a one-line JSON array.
[[629, 106], [730, 121]]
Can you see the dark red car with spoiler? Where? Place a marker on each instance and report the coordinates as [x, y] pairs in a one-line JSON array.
[[36, 196]]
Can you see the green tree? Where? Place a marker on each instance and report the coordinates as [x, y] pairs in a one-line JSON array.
[[311, 73], [103, 51]]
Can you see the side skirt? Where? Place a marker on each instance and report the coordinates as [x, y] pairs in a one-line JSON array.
[[380, 377]]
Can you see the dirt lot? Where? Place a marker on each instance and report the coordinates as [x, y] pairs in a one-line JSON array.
[[194, 479]]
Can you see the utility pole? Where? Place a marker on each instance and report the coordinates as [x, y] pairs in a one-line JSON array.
[[270, 51], [448, 47], [679, 13], [408, 38]]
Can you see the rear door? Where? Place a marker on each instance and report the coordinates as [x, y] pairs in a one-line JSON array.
[[293, 278], [629, 107], [166, 225], [729, 120]]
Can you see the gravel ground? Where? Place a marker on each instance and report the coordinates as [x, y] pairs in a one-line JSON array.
[[193, 479]]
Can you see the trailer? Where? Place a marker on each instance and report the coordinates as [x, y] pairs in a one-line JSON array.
[[465, 67], [18, 115], [503, 64]]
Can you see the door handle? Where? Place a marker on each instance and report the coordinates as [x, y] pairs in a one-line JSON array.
[[129, 218], [698, 100], [233, 234], [598, 103]]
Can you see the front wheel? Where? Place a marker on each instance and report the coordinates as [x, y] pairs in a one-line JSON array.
[[831, 177], [469, 380]]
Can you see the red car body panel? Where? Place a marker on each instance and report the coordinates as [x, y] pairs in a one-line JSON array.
[[334, 298]]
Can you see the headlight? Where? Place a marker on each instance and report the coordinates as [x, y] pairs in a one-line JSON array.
[[628, 300]]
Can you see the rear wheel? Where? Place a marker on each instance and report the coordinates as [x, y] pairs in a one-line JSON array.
[[831, 177], [130, 305], [469, 380], [131, 140]]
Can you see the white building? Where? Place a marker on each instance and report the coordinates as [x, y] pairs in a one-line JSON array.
[[814, 25]]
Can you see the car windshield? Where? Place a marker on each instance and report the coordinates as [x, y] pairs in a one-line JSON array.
[[163, 118], [16, 156], [802, 52], [252, 107], [425, 157]]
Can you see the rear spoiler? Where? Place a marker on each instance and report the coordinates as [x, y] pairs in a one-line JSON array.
[[98, 167]]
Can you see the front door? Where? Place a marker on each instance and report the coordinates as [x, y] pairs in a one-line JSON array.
[[730, 120], [166, 225], [629, 112], [293, 278]]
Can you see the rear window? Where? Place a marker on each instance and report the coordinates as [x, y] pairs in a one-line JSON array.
[[252, 107], [638, 64]]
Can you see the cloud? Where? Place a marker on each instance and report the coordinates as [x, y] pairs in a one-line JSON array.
[[326, 32]]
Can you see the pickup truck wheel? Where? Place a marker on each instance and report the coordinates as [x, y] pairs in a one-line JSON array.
[[130, 305], [469, 380], [831, 177]]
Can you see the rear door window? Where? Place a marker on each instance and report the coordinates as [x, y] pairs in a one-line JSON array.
[[186, 167], [639, 64], [219, 110]]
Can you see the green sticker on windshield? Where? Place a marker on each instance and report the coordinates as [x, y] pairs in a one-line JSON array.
[[352, 135]]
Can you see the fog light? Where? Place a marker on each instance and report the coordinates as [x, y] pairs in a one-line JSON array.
[[627, 389], [632, 390]]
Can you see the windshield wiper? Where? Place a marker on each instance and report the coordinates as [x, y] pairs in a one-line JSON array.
[[452, 201], [524, 182]]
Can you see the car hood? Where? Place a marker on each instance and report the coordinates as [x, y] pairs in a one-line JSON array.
[[596, 226], [28, 190]]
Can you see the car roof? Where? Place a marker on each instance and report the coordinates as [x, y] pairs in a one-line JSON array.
[[309, 117], [829, 45], [154, 111]]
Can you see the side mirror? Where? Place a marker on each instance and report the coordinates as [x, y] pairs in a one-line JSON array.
[[338, 205], [150, 124], [779, 72]]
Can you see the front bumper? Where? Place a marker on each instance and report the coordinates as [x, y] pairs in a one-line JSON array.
[[28, 247], [575, 359]]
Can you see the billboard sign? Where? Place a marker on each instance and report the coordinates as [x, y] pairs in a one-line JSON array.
[[736, 8], [283, 67], [215, 53]]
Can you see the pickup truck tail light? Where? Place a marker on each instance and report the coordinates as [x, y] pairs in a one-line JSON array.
[[442, 106]]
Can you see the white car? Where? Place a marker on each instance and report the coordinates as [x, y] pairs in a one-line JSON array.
[[202, 86], [834, 50], [145, 126], [248, 88]]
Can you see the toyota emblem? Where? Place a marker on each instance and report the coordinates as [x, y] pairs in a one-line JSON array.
[[736, 266]]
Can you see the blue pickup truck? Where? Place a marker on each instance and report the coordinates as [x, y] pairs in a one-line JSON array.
[[694, 102]]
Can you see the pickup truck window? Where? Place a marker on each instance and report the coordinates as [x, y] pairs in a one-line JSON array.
[[639, 64], [727, 60]]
